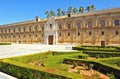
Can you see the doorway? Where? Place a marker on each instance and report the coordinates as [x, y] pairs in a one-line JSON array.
[[102, 43], [50, 39]]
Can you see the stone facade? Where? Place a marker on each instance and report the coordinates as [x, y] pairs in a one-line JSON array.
[[90, 28]]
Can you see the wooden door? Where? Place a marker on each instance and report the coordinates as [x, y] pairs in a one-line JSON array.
[[50, 39], [102, 43]]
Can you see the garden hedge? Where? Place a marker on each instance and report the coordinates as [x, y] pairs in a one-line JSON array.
[[62, 53], [106, 49], [102, 54], [104, 67], [24, 72], [5, 43]]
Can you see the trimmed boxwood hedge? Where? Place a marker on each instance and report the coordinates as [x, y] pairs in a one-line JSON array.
[[102, 54], [106, 49], [83, 56], [76, 54], [62, 53], [23, 72], [5, 43], [104, 67], [112, 61]]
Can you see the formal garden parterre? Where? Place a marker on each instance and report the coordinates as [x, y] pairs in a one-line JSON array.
[[87, 62]]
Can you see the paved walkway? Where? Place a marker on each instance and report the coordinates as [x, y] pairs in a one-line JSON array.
[[25, 49], [5, 76]]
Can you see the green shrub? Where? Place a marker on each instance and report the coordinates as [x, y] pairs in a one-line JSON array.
[[106, 68], [111, 76], [32, 57], [98, 48], [21, 72], [78, 71], [112, 61], [5, 43], [89, 66], [83, 56], [101, 54], [63, 53]]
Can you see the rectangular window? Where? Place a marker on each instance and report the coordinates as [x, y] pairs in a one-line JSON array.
[[14, 30], [68, 34], [30, 29], [90, 33], [78, 25], [89, 24], [102, 23], [59, 34], [19, 29], [78, 33], [60, 27], [116, 32], [5, 30], [42, 28], [2, 31], [9, 30], [102, 33], [50, 26], [36, 28], [116, 22], [24, 29], [68, 26]]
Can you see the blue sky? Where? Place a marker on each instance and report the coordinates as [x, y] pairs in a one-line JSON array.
[[12, 11]]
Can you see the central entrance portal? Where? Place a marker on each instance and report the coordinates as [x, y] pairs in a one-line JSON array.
[[50, 39]]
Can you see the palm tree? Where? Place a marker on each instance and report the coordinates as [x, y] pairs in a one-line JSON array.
[[59, 12], [63, 13], [88, 8], [75, 10], [81, 9], [52, 13], [92, 7], [47, 13], [70, 8]]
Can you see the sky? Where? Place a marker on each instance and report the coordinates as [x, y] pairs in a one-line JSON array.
[[12, 11]]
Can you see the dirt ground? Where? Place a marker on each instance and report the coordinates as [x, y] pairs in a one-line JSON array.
[[92, 73]]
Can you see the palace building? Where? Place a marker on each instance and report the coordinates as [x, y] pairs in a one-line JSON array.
[[88, 28]]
